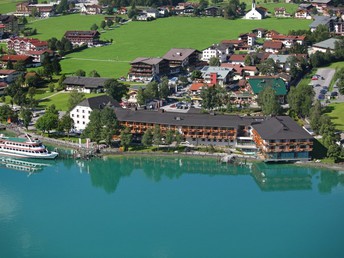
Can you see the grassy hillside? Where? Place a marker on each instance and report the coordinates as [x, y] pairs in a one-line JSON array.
[[7, 6], [149, 39]]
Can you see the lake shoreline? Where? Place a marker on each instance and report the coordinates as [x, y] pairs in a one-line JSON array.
[[240, 157]]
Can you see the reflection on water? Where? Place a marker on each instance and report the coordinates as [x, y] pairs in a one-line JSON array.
[[275, 177], [24, 165]]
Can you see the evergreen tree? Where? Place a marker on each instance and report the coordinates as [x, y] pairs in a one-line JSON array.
[[147, 138], [126, 138], [268, 101]]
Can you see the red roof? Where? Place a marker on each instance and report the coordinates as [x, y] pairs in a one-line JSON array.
[[6, 71], [197, 86], [35, 42], [237, 58], [15, 58], [272, 44], [2, 26], [232, 41], [237, 67], [287, 37], [250, 68], [3, 84]]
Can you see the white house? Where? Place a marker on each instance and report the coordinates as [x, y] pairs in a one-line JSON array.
[[219, 51], [256, 13], [217, 75], [81, 113], [85, 84]]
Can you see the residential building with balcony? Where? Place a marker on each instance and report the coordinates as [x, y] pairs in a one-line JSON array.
[[181, 58], [23, 45], [281, 139], [81, 37], [145, 68]]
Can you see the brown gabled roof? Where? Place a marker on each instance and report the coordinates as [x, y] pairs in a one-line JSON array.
[[237, 58], [272, 44], [287, 37], [81, 33], [15, 58], [6, 71], [147, 60], [237, 67], [179, 53]]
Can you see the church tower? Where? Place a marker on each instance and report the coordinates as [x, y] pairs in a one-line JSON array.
[[253, 4]]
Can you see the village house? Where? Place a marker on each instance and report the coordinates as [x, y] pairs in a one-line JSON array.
[[321, 5], [289, 41], [237, 59], [10, 22], [303, 14], [338, 26], [281, 61], [181, 58], [322, 20], [22, 45], [220, 51], [44, 9], [85, 84], [81, 37], [257, 83], [213, 11], [238, 70], [81, 113], [8, 75], [281, 12], [27, 60], [269, 34], [143, 68], [217, 75], [248, 38], [272, 46], [256, 13], [260, 32], [323, 46], [90, 9], [196, 88]]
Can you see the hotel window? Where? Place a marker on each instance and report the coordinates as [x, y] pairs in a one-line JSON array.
[[83, 116], [83, 111], [77, 110], [77, 121], [77, 116], [72, 115]]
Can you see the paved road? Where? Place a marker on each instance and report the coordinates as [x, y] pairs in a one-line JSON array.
[[325, 77]]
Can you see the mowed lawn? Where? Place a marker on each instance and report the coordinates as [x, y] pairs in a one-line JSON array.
[[149, 39], [337, 115], [7, 6], [60, 100]]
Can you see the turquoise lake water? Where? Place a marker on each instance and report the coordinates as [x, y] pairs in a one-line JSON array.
[[170, 207]]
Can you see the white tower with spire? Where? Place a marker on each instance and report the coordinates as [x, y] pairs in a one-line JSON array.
[[255, 13]]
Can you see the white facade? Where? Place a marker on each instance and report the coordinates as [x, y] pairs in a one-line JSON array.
[[213, 52], [81, 117]]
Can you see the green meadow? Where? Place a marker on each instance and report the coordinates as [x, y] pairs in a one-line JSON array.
[[7, 6], [336, 114], [149, 39]]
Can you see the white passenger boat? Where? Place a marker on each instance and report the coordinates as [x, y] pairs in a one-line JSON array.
[[25, 148]]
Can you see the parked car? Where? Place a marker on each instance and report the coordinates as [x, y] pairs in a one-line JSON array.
[[334, 93], [317, 85], [325, 87], [321, 96], [323, 91]]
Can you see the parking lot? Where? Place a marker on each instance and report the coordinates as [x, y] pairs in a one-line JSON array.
[[321, 83]]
